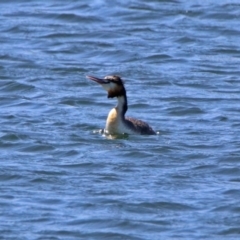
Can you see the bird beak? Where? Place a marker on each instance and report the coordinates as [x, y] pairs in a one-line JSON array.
[[98, 80]]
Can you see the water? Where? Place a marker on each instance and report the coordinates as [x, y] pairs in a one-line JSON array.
[[60, 179]]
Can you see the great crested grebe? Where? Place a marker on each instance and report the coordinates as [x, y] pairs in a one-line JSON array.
[[117, 123]]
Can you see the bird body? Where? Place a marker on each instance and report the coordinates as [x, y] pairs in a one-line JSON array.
[[116, 122]]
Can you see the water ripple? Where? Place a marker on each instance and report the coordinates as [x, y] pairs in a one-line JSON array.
[[61, 178]]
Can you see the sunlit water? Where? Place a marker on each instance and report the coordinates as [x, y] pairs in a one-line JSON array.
[[62, 179]]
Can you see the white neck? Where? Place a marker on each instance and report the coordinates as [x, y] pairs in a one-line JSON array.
[[116, 117], [122, 105]]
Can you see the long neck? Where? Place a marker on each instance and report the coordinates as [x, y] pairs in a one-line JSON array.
[[122, 105]]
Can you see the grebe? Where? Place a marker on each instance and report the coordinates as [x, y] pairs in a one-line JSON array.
[[117, 123]]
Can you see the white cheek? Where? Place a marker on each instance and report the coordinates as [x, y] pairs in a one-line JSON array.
[[106, 87], [109, 86]]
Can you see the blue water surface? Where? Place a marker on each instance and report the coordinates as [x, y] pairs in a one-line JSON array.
[[60, 178]]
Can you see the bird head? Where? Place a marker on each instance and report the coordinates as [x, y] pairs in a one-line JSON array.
[[112, 84]]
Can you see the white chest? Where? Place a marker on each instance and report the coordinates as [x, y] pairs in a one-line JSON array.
[[115, 124]]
